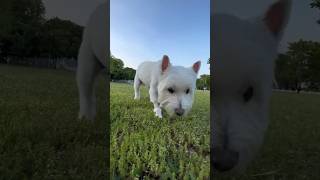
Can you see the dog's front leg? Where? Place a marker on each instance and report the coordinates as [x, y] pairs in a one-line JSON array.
[[154, 99], [87, 71]]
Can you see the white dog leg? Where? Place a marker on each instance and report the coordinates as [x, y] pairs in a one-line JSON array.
[[87, 70], [136, 86], [154, 100]]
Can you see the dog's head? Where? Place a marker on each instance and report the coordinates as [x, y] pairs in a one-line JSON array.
[[176, 87], [244, 51]]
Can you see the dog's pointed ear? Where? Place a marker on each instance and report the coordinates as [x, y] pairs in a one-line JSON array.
[[196, 66], [165, 63], [277, 16]]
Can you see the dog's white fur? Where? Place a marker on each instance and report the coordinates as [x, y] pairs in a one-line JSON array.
[[92, 54], [161, 78], [244, 53]]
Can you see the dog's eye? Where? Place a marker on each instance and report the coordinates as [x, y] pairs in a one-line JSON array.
[[247, 95], [171, 90], [187, 91]]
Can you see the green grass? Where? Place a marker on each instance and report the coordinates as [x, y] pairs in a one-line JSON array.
[[145, 146], [291, 149], [40, 135]]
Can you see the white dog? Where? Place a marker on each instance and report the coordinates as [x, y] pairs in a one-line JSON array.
[[170, 87], [244, 52], [92, 56]]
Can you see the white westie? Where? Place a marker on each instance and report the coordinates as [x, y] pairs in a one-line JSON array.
[[93, 54], [170, 87], [244, 52]]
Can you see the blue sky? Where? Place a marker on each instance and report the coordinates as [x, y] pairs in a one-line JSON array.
[[143, 30]]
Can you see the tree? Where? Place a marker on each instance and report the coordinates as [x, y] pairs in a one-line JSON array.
[[203, 82], [285, 72], [116, 66], [61, 38], [20, 21], [299, 66], [315, 4], [28, 17], [26, 33], [129, 73]]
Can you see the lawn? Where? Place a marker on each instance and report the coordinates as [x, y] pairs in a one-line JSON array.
[[291, 149], [143, 146], [40, 135]]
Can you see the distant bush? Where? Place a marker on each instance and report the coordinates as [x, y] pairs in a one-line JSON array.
[[203, 82], [118, 71]]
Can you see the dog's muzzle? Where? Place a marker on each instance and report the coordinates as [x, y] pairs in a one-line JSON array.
[[179, 111]]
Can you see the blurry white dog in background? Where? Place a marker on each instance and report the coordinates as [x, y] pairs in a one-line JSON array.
[[244, 52], [92, 57]]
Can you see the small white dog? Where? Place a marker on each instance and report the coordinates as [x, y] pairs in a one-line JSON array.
[[170, 87], [93, 54], [244, 52]]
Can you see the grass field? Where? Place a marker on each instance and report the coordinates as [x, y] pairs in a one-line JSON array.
[[291, 149], [40, 135], [41, 138], [145, 146]]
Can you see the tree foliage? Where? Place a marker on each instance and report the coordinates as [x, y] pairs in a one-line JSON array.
[[63, 38], [315, 4], [118, 71], [26, 33], [299, 66], [203, 82]]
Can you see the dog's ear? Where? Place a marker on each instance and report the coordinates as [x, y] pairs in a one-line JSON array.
[[165, 63], [277, 16], [196, 66]]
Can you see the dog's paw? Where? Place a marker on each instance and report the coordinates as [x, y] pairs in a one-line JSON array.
[[158, 112]]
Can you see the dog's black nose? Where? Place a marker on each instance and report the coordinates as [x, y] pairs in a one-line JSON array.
[[179, 111], [224, 159]]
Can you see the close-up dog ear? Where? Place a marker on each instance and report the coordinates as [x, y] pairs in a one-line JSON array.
[[196, 66], [277, 16], [165, 63]]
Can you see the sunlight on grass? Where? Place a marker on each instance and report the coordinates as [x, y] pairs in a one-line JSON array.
[[145, 146]]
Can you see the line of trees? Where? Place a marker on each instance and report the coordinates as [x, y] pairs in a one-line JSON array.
[[203, 82], [25, 32], [299, 67], [118, 71]]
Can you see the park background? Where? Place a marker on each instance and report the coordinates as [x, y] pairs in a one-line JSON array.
[[32, 75]]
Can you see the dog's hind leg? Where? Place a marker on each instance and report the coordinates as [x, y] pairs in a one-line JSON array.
[[87, 70], [136, 85]]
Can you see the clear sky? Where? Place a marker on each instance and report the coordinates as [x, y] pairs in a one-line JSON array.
[[142, 30]]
